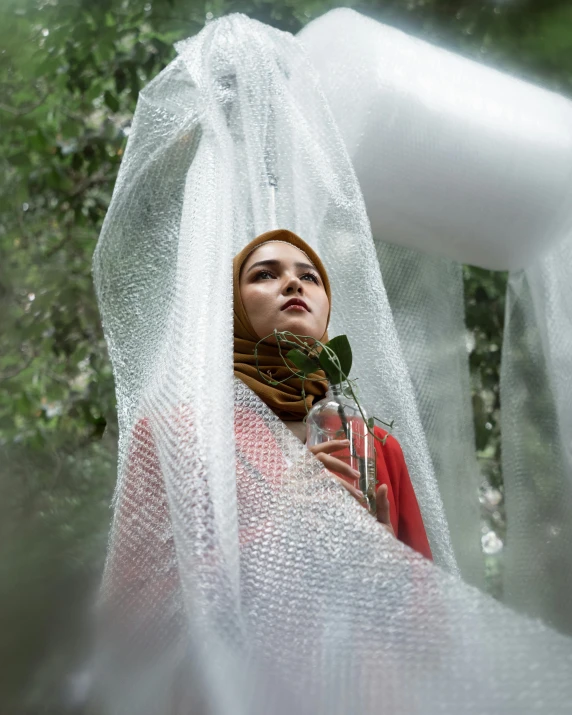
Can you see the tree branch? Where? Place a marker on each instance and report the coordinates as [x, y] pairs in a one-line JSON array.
[[100, 177]]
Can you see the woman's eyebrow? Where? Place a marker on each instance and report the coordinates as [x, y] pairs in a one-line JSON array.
[[276, 262]]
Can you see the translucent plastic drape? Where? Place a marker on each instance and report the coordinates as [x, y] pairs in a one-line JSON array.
[[458, 160], [454, 157], [536, 394], [240, 577], [426, 297]]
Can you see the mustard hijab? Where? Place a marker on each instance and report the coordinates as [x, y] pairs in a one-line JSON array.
[[285, 400]]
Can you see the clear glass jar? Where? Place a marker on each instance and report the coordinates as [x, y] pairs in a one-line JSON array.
[[337, 416]]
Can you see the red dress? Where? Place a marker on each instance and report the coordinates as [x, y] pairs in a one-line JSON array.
[[143, 481], [404, 511]]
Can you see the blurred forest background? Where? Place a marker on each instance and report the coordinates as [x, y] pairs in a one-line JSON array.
[[70, 73]]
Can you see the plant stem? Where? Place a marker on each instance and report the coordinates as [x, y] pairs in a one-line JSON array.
[[301, 342]]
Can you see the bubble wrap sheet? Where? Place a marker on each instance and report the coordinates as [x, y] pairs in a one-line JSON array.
[[426, 297], [536, 400], [240, 577], [453, 157]]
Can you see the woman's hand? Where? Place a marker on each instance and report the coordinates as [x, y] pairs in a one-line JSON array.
[[342, 471], [382, 504]]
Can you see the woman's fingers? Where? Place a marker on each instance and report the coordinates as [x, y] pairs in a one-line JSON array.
[[323, 452], [339, 466], [333, 445], [352, 490], [340, 470]]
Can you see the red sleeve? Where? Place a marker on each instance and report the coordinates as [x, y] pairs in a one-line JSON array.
[[142, 578], [404, 510]]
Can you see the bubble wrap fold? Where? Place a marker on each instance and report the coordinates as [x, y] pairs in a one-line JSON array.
[[536, 403], [454, 158], [426, 297]]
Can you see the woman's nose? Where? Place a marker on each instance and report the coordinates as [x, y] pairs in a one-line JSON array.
[[293, 284]]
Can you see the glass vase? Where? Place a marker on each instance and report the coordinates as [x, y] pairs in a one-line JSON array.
[[337, 416]]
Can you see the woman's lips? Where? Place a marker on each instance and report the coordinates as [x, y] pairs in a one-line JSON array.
[[295, 303], [296, 307]]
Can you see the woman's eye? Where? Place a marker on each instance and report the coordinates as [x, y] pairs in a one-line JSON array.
[[312, 276], [264, 274]]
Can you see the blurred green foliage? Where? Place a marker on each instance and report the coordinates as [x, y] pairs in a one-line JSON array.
[[70, 73]]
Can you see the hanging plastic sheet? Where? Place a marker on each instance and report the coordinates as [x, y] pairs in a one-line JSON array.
[[458, 160], [426, 297], [536, 394]]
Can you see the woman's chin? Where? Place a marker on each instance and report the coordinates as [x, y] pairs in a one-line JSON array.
[[296, 324]]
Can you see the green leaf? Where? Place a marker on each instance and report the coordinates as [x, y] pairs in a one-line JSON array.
[[21, 158], [340, 345], [304, 363], [38, 141], [111, 101], [120, 80]]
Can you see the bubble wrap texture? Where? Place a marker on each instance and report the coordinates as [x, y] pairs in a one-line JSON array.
[[536, 402], [453, 157], [240, 577], [335, 615], [426, 297]]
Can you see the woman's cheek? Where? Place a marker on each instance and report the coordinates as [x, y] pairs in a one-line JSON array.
[[262, 313], [256, 304]]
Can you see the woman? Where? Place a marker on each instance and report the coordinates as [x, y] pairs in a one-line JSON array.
[[280, 283], [271, 272]]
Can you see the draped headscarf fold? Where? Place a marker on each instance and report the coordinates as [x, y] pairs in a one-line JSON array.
[[285, 399]]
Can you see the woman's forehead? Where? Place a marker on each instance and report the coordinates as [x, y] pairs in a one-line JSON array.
[[276, 250]]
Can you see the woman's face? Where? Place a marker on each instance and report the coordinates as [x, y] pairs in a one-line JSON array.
[[275, 274]]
